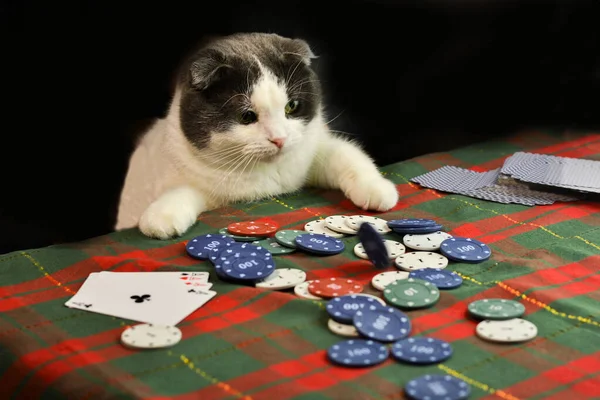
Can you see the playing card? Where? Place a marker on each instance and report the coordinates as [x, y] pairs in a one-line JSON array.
[[143, 297], [193, 279]]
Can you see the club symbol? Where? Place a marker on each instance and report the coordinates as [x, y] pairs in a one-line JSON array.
[[140, 299]]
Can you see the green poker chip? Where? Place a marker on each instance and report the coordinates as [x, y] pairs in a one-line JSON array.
[[411, 293], [496, 309], [287, 237], [273, 246], [224, 231]]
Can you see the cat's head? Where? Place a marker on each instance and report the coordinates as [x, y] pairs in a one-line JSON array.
[[249, 94]]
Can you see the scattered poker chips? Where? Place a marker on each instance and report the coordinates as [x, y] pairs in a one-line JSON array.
[[342, 309], [421, 350], [238, 238], [427, 242], [201, 246], [420, 259], [441, 278], [437, 387], [252, 228], [465, 250], [320, 226], [273, 246], [287, 237], [374, 246], [282, 278], [149, 336], [506, 331], [383, 279], [334, 287], [411, 223], [496, 309], [411, 293], [385, 324], [319, 244], [246, 265], [358, 353]]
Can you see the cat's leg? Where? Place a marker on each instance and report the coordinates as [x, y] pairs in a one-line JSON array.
[[173, 213], [341, 164]]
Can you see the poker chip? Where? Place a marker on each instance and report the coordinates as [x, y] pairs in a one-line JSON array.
[[465, 250], [378, 299], [496, 309], [319, 226], [426, 242], [239, 238], [149, 336], [252, 228], [385, 324], [437, 387], [201, 246], [342, 329], [380, 281], [421, 259], [334, 287], [411, 293], [373, 246], [421, 350], [411, 223], [394, 249], [379, 224], [506, 331], [273, 246], [441, 278], [301, 290], [282, 278], [418, 231], [319, 244], [337, 223], [228, 249], [246, 265], [358, 353], [287, 237], [342, 309]]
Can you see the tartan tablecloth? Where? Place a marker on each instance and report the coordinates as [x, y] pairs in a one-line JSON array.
[[251, 343]]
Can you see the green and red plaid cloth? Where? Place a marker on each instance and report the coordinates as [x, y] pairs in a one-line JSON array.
[[251, 343]]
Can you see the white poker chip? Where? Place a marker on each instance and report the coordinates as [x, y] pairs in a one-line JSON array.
[[421, 259], [282, 278], [379, 224], [149, 336], [394, 249], [506, 331], [338, 224], [427, 242], [378, 299], [301, 290], [380, 281], [319, 226], [342, 329]]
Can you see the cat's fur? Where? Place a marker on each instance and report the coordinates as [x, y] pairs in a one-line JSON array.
[[201, 156]]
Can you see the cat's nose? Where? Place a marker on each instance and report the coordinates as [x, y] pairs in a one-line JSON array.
[[279, 142]]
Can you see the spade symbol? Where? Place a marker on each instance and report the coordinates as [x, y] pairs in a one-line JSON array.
[[141, 299]]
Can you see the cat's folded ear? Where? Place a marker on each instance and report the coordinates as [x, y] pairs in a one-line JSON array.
[[208, 66], [300, 48]]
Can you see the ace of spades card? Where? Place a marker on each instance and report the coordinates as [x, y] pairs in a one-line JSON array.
[[162, 298]]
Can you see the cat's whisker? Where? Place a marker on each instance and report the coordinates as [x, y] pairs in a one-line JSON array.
[[334, 118], [233, 97], [236, 163], [287, 81], [239, 174]]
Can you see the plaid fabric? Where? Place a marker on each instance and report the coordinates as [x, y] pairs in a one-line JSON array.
[[259, 344]]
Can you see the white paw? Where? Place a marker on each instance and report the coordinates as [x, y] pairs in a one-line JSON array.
[[167, 218], [378, 194]]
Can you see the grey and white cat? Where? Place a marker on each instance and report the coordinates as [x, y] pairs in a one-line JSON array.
[[245, 123]]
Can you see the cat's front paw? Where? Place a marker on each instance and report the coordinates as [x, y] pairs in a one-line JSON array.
[[377, 194], [166, 218]]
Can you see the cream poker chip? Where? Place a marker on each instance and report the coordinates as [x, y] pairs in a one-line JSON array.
[[380, 281], [421, 259], [394, 249], [342, 329], [301, 290], [319, 226], [150, 336], [338, 224], [506, 331], [379, 224], [427, 242], [378, 299], [282, 278]]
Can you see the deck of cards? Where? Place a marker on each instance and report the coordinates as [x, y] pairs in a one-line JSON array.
[[525, 178], [160, 298]]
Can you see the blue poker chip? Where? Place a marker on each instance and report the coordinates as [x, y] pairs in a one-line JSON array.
[[202, 246], [229, 249], [411, 223], [246, 266], [465, 250], [358, 353], [418, 231], [385, 324], [421, 350], [442, 278], [437, 387], [374, 246], [342, 309], [319, 244]]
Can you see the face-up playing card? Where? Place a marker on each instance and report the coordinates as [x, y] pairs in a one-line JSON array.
[[157, 298], [192, 279]]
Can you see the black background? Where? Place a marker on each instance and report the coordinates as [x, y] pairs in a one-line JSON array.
[[80, 79]]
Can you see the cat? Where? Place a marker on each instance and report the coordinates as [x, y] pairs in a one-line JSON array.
[[246, 122]]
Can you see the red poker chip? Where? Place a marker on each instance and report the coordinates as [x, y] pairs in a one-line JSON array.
[[252, 228], [334, 287]]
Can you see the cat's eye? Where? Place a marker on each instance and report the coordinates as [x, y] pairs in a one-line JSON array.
[[248, 117], [291, 106]]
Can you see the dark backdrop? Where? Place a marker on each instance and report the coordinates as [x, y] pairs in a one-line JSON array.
[[409, 77]]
